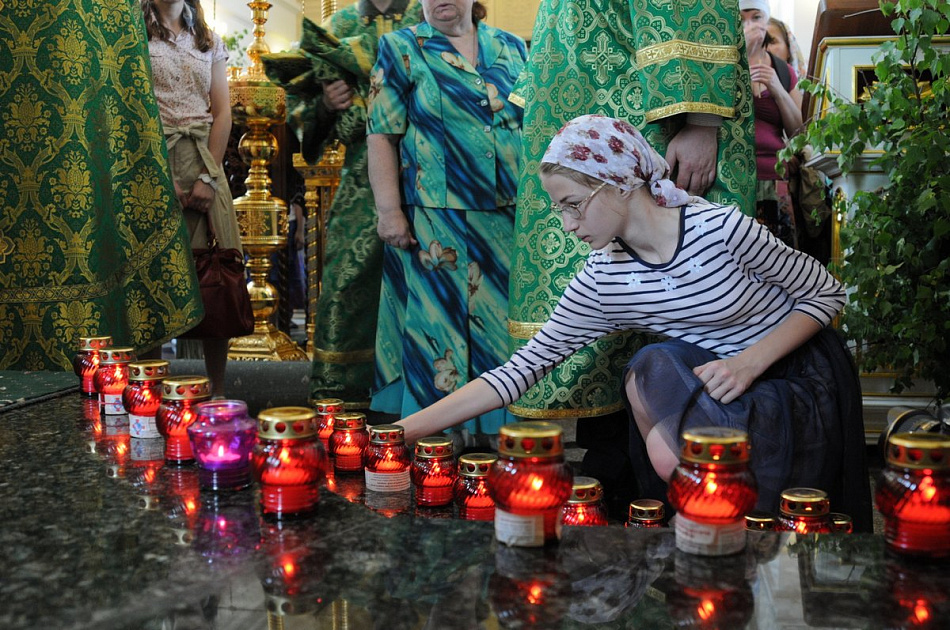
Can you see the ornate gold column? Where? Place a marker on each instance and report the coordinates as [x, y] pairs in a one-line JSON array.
[[258, 104], [329, 8], [320, 181]]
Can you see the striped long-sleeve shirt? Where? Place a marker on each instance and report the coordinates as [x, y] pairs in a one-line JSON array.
[[728, 285]]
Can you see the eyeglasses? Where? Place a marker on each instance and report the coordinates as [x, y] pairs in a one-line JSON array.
[[574, 209]]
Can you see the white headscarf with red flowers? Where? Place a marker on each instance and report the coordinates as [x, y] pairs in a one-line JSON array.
[[613, 151]]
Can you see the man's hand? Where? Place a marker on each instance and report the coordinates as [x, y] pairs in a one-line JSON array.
[[692, 156], [337, 95]]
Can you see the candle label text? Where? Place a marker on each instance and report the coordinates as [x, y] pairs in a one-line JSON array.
[[388, 482]]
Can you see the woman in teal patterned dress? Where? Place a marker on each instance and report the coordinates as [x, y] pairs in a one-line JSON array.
[[444, 145]]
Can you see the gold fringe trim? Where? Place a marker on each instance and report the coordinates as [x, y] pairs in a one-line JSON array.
[[696, 108], [517, 100], [559, 414], [527, 330], [355, 356], [682, 49]]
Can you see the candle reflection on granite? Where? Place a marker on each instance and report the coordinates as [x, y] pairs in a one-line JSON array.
[[913, 594], [143, 395], [289, 461], [147, 459], [222, 438], [112, 377], [841, 523], [585, 507], [294, 572], [227, 528], [388, 504], [181, 487], [712, 489], [913, 494], [350, 486], [176, 412], [114, 445], [761, 521], [528, 588], [710, 592], [86, 363], [434, 471], [471, 487]]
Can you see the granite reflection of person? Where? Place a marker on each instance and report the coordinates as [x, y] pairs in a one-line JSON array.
[[746, 319], [444, 145]]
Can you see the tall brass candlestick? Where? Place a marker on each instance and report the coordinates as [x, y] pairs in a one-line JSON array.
[[258, 104]]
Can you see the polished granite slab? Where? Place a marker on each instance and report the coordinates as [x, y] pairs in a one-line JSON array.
[[95, 534]]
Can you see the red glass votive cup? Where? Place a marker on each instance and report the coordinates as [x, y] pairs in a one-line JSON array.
[[530, 483], [913, 494], [434, 471], [143, 395], [805, 511], [327, 410], [585, 507], [86, 362], [112, 377], [386, 461], [348, 442], [712, 489], [176, 412], [841, 523], [222, 438], [289, 462], [646, 514], [471, 487], [761, 521]]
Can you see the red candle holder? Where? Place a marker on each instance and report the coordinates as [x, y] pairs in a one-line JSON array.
[[327, 410], [841, 523], [86, 362], [143, 395], [712, 489], [471, 487], [387, 459], [530, 483], [222, 438], [805, 511], [646, 514], [176, 412], [913, 494], [289, 461], [585, 507], [761, 521], [348, 442], [434, 471], [112, 377]]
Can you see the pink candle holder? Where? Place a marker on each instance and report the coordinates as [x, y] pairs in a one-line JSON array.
[[222, 438]]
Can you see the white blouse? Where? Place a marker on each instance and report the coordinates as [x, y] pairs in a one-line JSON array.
[[182, 78]]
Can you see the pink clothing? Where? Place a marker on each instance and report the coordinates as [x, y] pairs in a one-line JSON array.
[[769, 138], [182, 77]]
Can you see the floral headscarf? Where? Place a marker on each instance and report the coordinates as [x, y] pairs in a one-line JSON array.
[[613, 151]]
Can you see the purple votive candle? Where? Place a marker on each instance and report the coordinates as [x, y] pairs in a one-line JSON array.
[[222, 438]]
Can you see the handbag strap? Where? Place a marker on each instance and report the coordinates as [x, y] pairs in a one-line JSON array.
[[212, 237]]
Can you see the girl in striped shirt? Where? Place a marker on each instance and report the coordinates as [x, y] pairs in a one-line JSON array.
[[744, 321]]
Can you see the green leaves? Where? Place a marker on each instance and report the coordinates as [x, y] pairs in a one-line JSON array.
[[897, 240]]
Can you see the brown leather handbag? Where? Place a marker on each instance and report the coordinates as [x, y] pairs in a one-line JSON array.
[[223, 285]]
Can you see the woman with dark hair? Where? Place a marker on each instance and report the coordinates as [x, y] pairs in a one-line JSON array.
[[444, 145], [189, 70]]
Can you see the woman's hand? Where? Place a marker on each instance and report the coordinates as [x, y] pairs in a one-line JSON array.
[[726, 379], [766, 75], [201, 197], [393, 229], [181, 195], [337, 95]]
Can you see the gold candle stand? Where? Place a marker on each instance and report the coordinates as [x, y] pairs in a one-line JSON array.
[[320, 182], [259, 104]]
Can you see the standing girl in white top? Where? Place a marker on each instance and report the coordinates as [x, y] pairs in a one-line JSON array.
[[189, 70], [744, 316]]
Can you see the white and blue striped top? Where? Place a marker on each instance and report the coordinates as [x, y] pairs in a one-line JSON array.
[[728, 285]]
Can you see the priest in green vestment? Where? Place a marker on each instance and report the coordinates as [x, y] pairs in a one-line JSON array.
[[678, 72], [345, 319], [92, 240]]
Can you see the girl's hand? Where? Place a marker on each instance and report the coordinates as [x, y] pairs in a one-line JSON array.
[[393, 229], [726, 379], [181, 195], [201, 198]]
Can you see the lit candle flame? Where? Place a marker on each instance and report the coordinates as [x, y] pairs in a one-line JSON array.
[[706, 609]]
